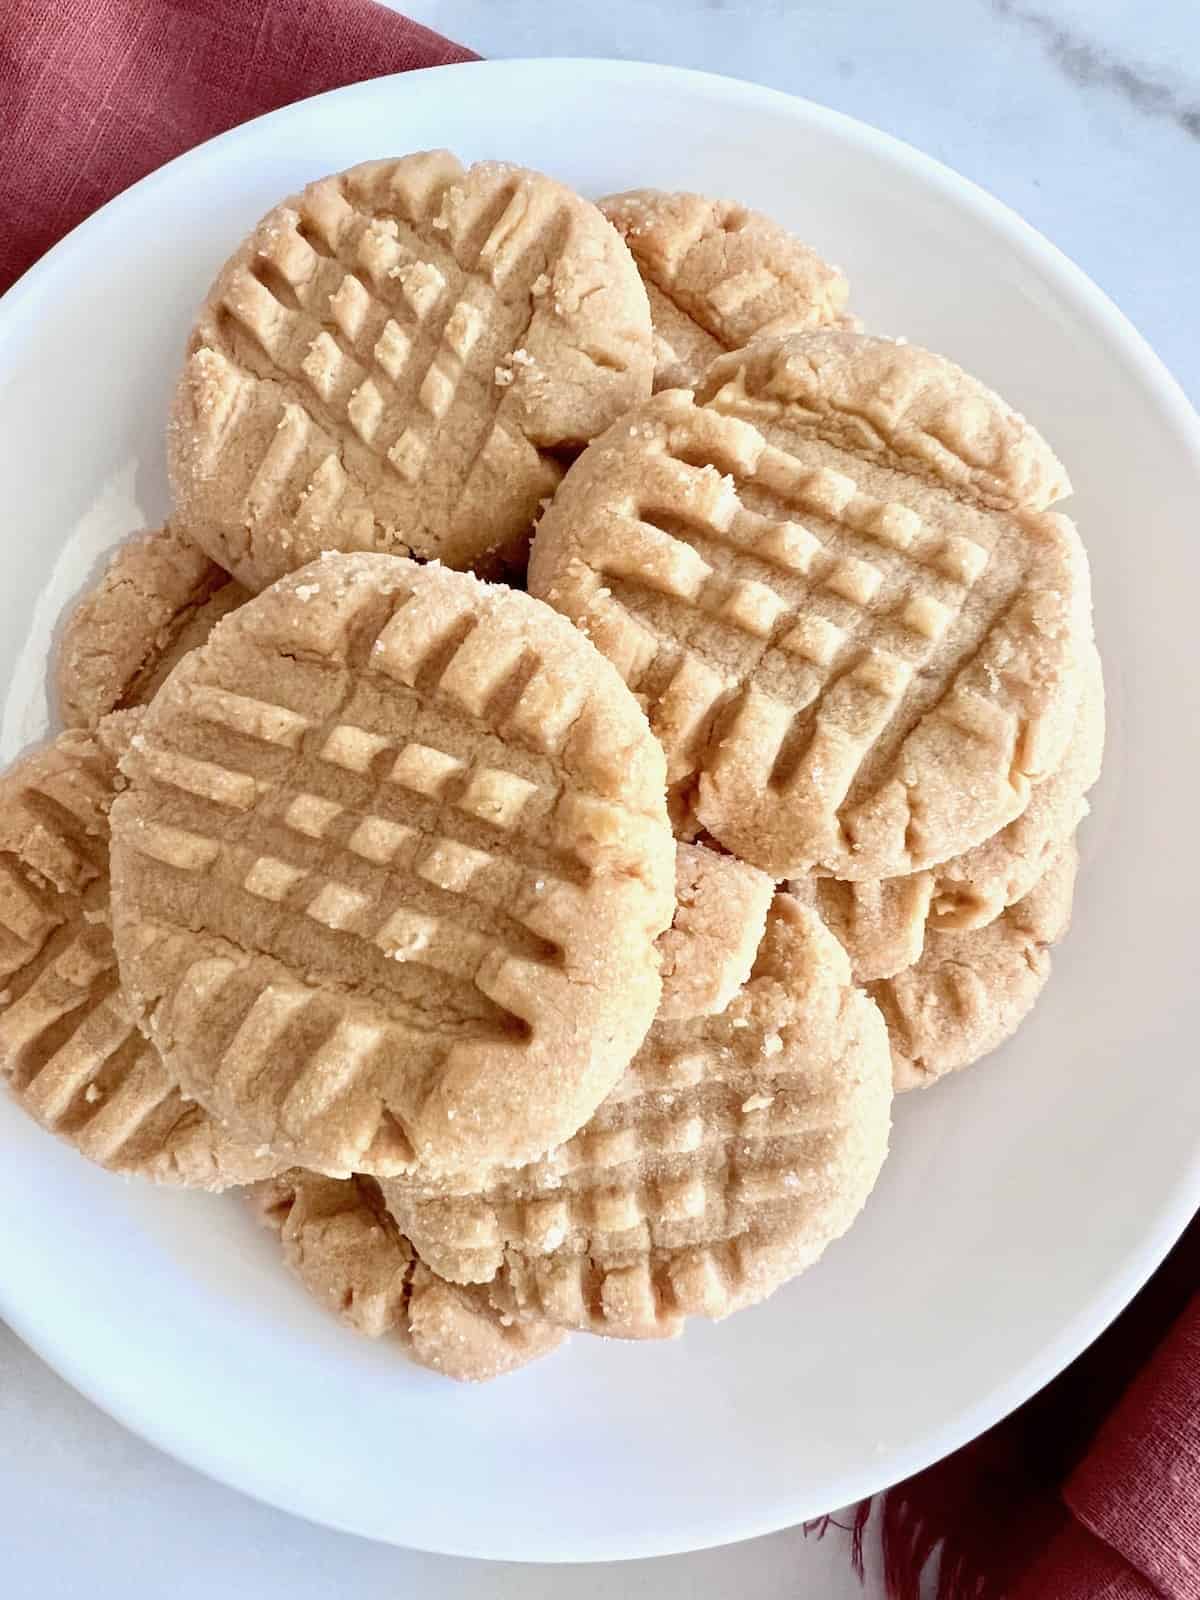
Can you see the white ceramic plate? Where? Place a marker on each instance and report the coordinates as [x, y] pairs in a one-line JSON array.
[[1024, 1202]]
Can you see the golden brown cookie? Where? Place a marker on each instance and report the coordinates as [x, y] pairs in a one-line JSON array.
[[830, 580], [707, 952], [390, 869], [883, 924], [719, 275], [387, 361], [973, 889], [971, 989], [341, 1243], [733, 1151], [880, 922], [159, 597], [69, 1049]]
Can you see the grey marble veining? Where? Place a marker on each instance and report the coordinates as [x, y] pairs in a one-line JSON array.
[[1084, 115], [1090, 64]]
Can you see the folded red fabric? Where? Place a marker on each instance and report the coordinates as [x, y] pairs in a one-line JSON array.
[[1078, 1566], [1090, 1491], [97, 93], [1138, 1487]]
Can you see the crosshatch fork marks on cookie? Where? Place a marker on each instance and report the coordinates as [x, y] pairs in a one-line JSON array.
[[69, 1046], [470, 849], [720, 1166], [762, 597], [308, 842], [383, 799], [361, 378], [738, 1138], [791, 617], [379, 331]]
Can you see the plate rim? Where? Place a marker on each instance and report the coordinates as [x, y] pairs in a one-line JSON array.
[[1175, 412]]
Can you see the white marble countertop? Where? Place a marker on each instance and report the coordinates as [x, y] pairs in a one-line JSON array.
[[1084, 115]]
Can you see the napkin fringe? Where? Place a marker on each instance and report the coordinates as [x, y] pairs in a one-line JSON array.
[[999, 1518]]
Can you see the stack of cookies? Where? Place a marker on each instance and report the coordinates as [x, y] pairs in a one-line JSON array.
[[540, 932]]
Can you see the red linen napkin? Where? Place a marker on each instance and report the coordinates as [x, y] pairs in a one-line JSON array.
[[94, 94], [1089, 1492]]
